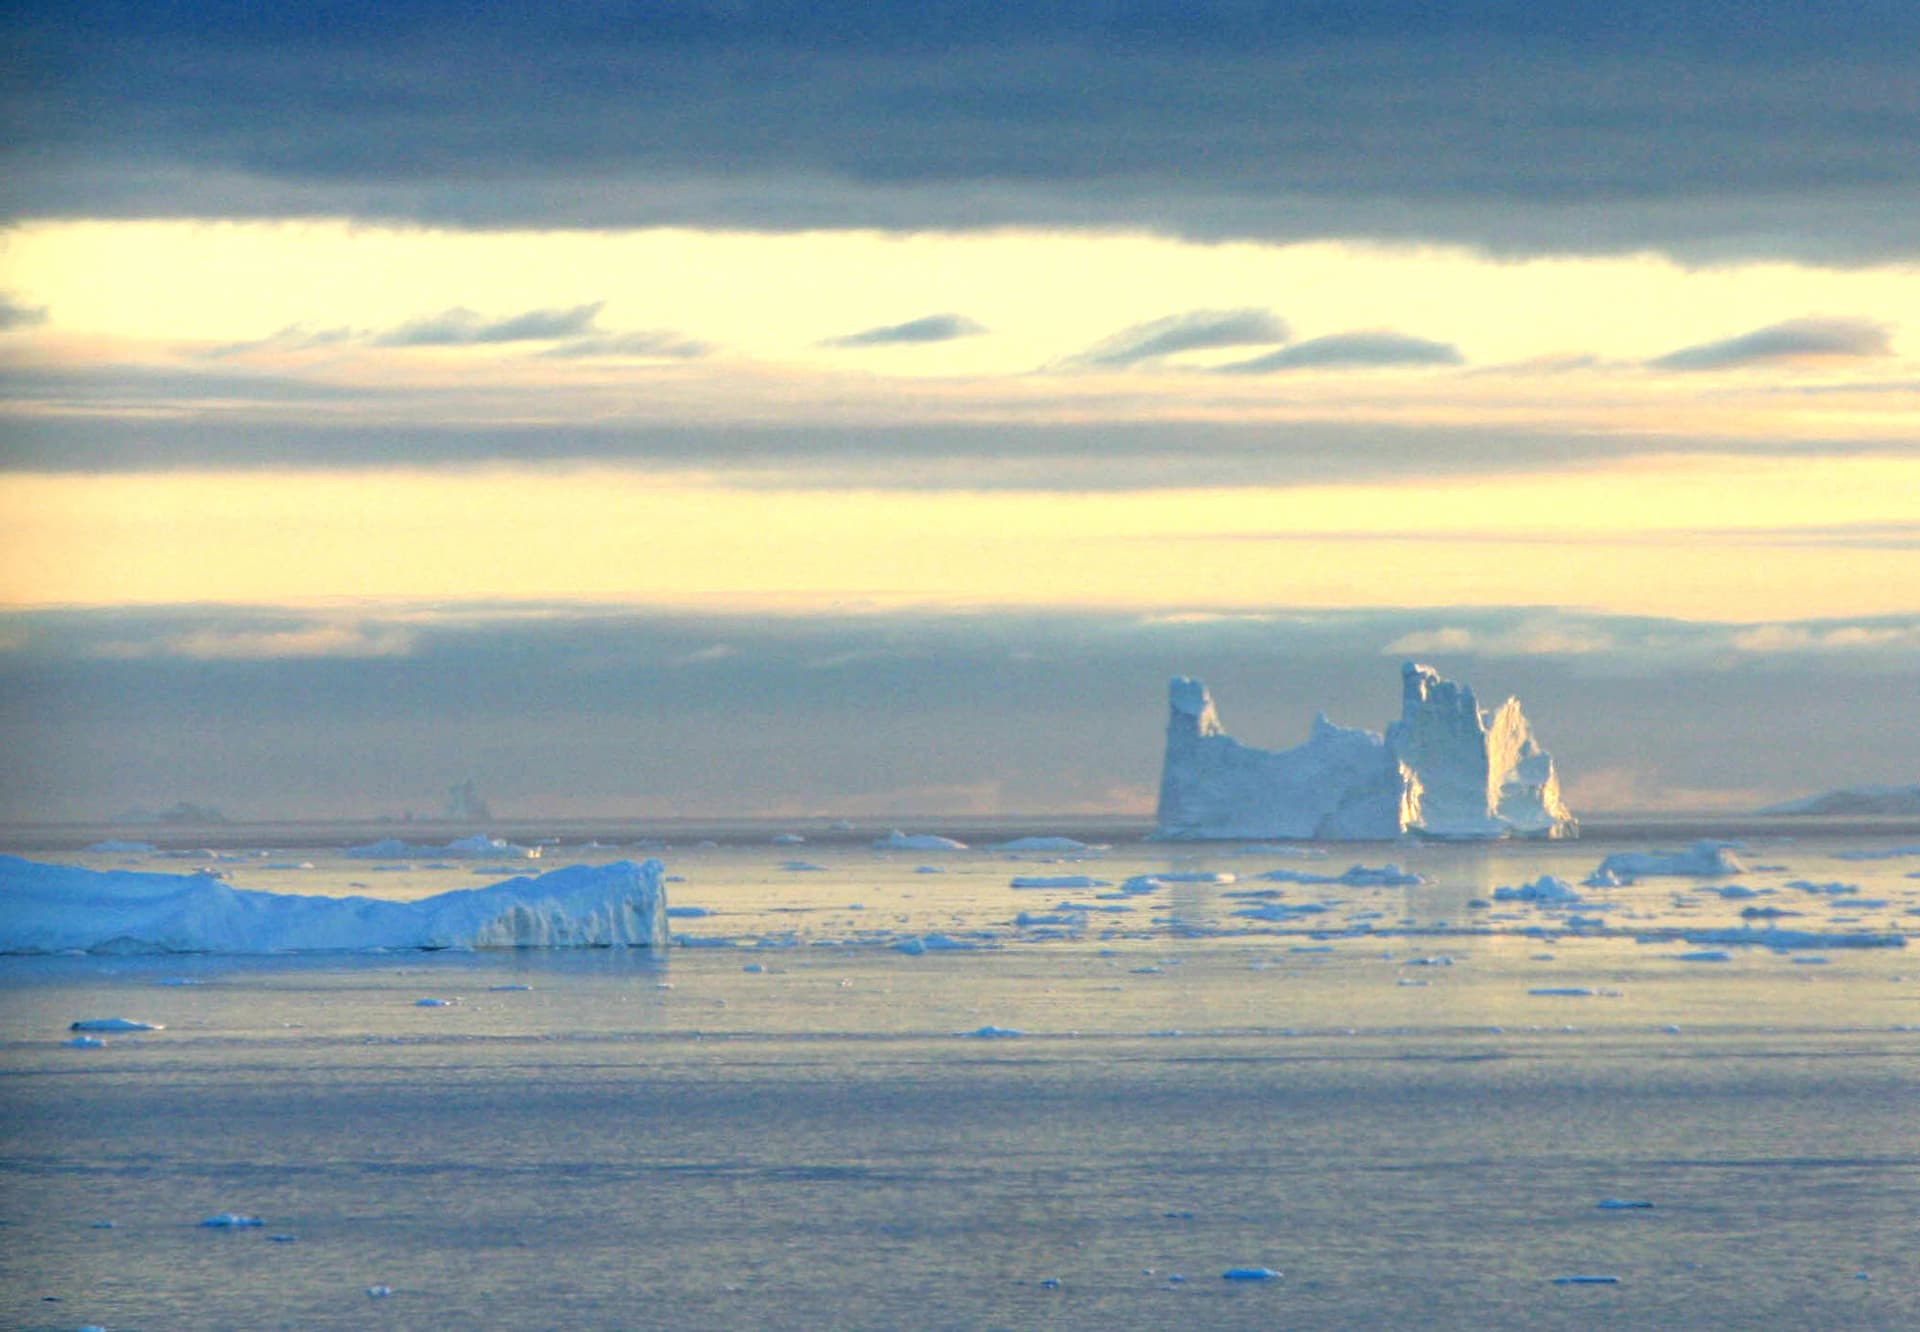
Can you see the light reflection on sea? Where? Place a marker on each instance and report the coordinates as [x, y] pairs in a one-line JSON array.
[[800, 1126]]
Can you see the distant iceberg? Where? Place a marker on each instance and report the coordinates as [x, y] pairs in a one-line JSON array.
[[1445, 769], [60, 908], [1855, 800], [477, 847], [1706, 860], [899, 841]]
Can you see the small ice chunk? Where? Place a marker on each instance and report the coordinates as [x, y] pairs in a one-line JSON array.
[[1706, 955], [379, 1292], [231, 1221], [687, 912], [900, 841], [85, 1043], [433, 1003], [788, 839], [1249, 1274], [1057, 881], [507, 989], [1566, 991], [115, 1024], [1623, 1204], [802, 867], [1586, 1280], [1545, 889], [1051, 845], [991, 1032]]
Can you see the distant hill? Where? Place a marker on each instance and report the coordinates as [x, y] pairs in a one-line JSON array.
[[1855, 800]]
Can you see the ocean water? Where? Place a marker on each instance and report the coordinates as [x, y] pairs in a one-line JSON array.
[[1406, 1103]]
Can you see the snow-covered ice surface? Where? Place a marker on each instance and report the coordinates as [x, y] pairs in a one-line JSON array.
[[790, 1121]]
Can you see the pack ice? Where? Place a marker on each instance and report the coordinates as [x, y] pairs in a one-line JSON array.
[[1445, 769], [60, 908]]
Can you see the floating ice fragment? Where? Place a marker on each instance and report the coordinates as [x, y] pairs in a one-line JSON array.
[[1050, 1283], [113, 848], [85, 1043], [1581, 1280], [1057, 881], [1623, 1204], [912, 947], [995, 1033], [687, 912], [1249, 1274], [379, 1292], [433, 1003], [115, 1024], [1563, 991], [1705, 955], [507, 989], [1833, 889], [802, 867], [282, 1239], [1814, 961], [788, 839], [231, 1221]]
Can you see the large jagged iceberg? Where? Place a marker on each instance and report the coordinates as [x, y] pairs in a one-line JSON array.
[[1445, 769], [62, 908]]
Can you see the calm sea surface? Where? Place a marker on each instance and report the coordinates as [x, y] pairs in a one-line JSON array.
[[863, 1095]]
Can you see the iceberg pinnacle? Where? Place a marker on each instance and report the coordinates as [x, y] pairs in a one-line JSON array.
[[1444, 769]]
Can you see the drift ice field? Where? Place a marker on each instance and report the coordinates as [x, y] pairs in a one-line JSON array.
[[963, 1076]]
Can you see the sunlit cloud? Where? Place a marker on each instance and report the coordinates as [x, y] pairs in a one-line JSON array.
[[1520, 641], [659, 344], [1371, 348], [307, 641], [461, 327], [933, 328], [1197, 330], [1792, 340], [1783, 638], [14, 315]]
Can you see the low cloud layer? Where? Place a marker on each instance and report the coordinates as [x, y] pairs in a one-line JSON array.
[[1791, 340], [560, 708]]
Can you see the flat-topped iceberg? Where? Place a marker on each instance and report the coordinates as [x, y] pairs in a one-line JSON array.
[[60, 908], [1445, 769]]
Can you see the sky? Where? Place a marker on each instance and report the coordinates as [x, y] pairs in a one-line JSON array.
[[794, 410]]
